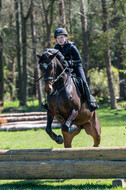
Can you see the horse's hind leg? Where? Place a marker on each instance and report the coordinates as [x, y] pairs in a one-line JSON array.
[[93, 128]]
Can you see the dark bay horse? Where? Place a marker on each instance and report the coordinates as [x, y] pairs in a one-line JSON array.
[[64, 102]]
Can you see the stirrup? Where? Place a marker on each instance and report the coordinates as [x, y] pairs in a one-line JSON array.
[[44, 105]]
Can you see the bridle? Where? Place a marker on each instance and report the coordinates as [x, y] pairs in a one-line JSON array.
[[52, 80]]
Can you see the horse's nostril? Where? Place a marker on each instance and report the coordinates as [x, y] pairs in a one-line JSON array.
[[48, 88]]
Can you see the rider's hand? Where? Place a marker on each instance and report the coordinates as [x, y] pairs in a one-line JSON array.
[[70, 63]]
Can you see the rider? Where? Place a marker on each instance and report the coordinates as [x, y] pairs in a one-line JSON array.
[[73, 59]]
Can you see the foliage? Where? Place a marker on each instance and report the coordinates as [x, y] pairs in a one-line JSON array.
[[99, 84]]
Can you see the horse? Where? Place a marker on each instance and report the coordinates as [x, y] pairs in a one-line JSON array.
[[64, 102]]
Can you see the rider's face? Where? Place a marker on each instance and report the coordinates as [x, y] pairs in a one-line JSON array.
[[61, 39]]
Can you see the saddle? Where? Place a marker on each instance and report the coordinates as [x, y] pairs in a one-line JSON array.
[[79, 87], [78, 82]]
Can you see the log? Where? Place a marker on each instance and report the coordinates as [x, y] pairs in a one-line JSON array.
[[18, 123], [27, 125], [62, 169], [75, 163], [23, 114], [2, 121], [25, 118], [25, 121], [97, 153], [24, 127]]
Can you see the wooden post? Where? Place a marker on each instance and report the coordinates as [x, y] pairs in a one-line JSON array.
[[119, 182]]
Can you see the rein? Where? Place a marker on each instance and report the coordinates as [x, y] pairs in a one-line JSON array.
[[58, 77], [51, 78]]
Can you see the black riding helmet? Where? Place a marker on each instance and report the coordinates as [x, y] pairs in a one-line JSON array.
[[60, 31]]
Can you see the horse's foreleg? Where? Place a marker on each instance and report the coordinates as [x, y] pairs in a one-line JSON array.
[[49, 131], [66, 126]]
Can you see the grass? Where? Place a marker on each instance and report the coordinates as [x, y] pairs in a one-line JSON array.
[[13, 106], [59, 185], [113, 123]]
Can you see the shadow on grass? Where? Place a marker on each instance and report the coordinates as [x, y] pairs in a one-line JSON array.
[[48, 185]]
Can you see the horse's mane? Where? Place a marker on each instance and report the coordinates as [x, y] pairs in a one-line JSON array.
[[51, 50], [59, 55]]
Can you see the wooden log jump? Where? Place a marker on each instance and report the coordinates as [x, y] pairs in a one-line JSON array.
[[74, 163], [25, 121]]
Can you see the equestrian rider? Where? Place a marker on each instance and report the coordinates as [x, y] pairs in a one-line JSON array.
[[72, 60]]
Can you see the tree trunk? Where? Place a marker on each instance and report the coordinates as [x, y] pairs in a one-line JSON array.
[[108, 56], [24, 53], [62, 21], [0, 5], [37, 88], [122, 80], [1, 64], [1, 72], [13, 80], [70, 15], [19, 44], [84, 34], [119, 49], [48, 16]]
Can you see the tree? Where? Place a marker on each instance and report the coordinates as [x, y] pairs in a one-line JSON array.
[[107, 55], [84, 34], [48, 18], [24, 53], [21, 21], [1, 63], [37, 89], [19, 45], [62, 21], [119, 47], [70, 15]]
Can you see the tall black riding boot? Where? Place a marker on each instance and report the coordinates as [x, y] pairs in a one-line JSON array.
[[91, 105]]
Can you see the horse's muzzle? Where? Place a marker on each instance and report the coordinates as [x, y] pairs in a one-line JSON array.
[[48, 88]]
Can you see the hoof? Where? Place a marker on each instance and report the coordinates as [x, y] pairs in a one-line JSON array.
[[72, 129], [60, 139]]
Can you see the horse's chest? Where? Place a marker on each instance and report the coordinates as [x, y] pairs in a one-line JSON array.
[[60, 103]]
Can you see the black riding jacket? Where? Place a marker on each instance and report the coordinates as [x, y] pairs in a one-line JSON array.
[[70, 52]]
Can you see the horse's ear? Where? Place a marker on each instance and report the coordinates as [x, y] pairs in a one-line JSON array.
[[37, 54], [53, 55]]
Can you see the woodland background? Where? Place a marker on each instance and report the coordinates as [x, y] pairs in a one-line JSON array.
[[97, 27]]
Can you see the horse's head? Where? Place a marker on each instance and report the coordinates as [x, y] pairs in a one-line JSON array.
[[46, 63]]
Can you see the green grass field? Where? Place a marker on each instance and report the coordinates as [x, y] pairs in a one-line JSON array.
[[113, 124]]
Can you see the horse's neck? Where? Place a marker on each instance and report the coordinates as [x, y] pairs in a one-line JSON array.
[[63, 76]]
